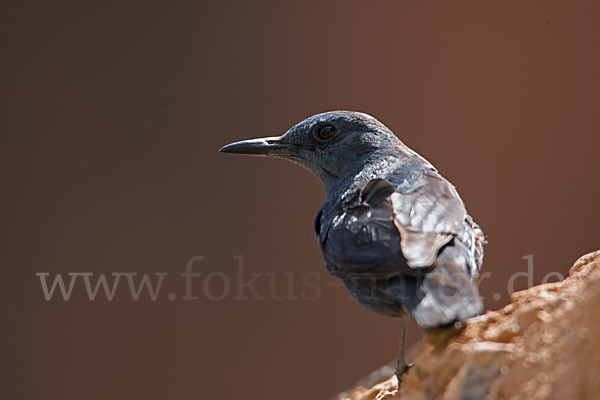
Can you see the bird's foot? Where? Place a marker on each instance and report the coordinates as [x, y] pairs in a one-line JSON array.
[[401, 370]]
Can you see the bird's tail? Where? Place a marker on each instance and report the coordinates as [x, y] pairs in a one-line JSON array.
[[444, 295]]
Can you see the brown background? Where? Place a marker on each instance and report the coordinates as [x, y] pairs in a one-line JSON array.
[[111, 115]]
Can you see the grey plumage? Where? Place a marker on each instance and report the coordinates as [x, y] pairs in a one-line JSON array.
[[391, 227]]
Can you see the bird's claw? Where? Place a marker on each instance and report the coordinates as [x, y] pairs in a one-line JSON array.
[[400, 372]]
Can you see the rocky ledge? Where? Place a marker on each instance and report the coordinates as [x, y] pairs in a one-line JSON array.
[[544, 345]]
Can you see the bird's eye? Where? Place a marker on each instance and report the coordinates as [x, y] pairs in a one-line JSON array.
[[325, 133]]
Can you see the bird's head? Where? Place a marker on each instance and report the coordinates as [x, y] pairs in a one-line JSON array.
[[332, 145]]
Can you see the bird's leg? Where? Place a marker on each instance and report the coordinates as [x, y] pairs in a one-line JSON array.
[[401, 366]]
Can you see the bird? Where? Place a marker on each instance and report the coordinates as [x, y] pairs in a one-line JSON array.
[[391, 227]]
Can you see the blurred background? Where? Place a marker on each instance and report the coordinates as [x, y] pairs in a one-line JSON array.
[[111, 115]]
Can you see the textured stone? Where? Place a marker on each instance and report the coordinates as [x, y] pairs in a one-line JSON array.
[[543, 345]]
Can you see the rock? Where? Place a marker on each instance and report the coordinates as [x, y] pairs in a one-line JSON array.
[[544, 345]]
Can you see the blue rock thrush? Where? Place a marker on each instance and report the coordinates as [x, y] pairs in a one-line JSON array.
[[391, 228]]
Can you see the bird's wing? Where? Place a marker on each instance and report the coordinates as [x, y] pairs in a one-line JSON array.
[[359, 237], [427, 217], [382, 230]]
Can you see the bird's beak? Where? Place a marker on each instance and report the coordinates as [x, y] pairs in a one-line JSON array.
[[269, 146]]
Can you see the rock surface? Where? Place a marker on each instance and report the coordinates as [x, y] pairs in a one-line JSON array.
[[544, 345]]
